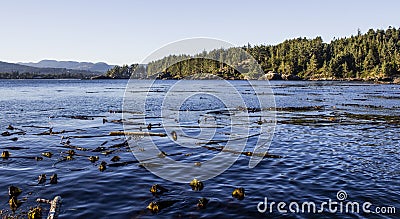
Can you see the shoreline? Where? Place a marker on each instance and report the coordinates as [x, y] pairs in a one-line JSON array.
[[168, 79]]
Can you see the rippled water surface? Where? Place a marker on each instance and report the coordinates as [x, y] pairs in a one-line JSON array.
[[329, 136]]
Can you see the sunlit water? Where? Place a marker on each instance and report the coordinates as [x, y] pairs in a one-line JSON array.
[[331, 136]]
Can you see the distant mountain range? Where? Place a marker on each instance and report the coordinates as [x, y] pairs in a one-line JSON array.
[[100, 67], [18, 71]]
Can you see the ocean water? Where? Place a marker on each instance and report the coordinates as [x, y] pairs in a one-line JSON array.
[[327, 137]]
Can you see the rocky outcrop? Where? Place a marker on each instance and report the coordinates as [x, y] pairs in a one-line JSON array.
[[100, 77], [290, 77], [271, 76], [277, 76]]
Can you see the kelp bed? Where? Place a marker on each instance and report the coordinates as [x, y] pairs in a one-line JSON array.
[[107, 152], [115, 152], [95, 145]]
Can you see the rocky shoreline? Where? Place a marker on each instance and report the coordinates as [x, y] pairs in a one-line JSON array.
[[271, 76]]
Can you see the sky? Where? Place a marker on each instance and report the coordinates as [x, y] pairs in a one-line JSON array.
[[127, 31]]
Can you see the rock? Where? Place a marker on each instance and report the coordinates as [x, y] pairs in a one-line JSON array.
[[290, 77], [384, 79], [396, 81], [271, 76]]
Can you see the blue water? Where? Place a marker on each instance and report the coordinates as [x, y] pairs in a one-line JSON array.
[[330, 136]]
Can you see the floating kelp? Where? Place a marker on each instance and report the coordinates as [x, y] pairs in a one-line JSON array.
[[47, 154], [102, 166], [217, 148], [174, 135], [246, 153], [6, 133], [75, 147], [107, 152], [14, 191], [122, 163], [10, 127], [93, 158], [14, 203], [116, 133], [42, 179], [15, 148], [150, 125], [157, 189], [391, 119], [265, 155], [124, 111], [116, 121], [67, 141], [153, 207], [54, 179], [81, 117], [196, 185], [163, 154], [298, 109], [211, 142], [51, 132], [157, 206], [14, 133], [14, 139], [363, 105], [35, 213], [99, 149], [202, 203], [5, 155], [120, 145], [238, 193], [115, 159], [71, 152]]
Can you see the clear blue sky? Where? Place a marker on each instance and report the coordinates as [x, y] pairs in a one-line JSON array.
[[126, 31]]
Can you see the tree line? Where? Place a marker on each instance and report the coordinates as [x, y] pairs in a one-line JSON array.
[[374, 55]]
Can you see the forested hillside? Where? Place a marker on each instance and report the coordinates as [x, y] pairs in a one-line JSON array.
[[374, 55]]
